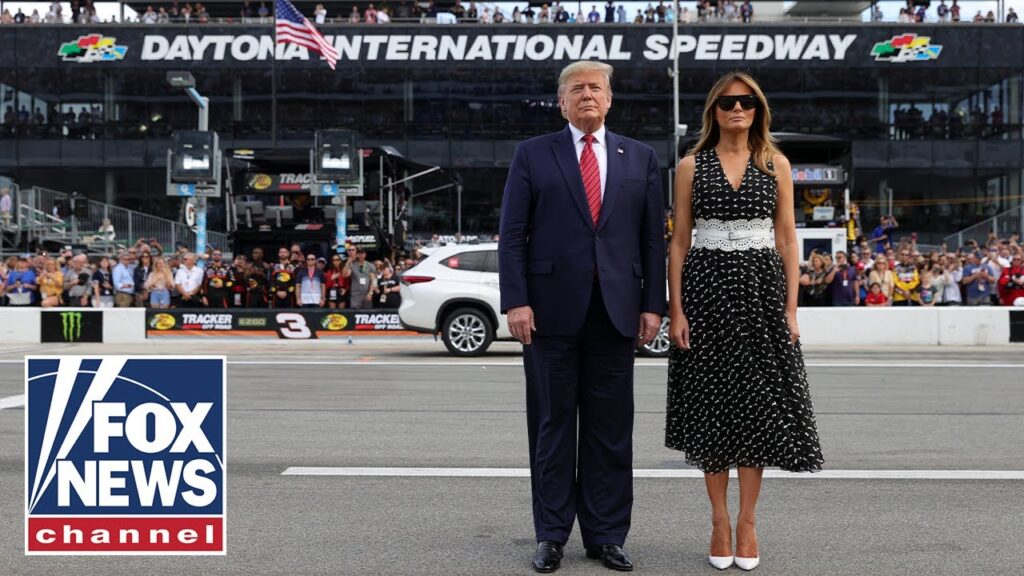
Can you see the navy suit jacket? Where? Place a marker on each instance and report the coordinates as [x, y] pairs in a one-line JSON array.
[[549, 246]]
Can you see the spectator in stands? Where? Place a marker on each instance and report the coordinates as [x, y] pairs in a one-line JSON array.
[[620, 14], [370, 15], [382, 15], [78, 281], [930, 291], [189, 281], [202, 16], [282, 281], [921, 13], [952, 276], [844, 282], [103, 284], [19, 18], [35, 18], [876, 297], [936, 279], [22, 286], [995, 265], [954, 11], [1011, 16], [517, 16], [337, 277], [6, 207], [459, 11], [236, 281], [149, 16], [609, 12], [216, 282], [978, 18], [159, 285], [51, 285], [544, 16], [320, 14], [124, 283], [246, 14], [1011, 282], [499, 16], [882, 275], [882, 234], [364, 278], [389, 290], [906, 280], [353, 16], [311, 287], [258, 263], [472, 13], [106, 230], [593, 17], [6, 17], [978, 281], [943, 11], [140, 274], [747, 12], [814, 281]]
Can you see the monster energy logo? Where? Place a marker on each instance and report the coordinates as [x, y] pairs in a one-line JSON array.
[[71, 322]]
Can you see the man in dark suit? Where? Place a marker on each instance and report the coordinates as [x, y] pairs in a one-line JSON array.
[[582, 273]]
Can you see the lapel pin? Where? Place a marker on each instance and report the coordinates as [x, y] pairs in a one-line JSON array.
[[620, 150]]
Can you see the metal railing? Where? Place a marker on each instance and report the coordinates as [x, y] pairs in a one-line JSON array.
[[1002, 225], [106, 227]]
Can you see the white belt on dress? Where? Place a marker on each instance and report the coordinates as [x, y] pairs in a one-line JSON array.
[[732, 235]]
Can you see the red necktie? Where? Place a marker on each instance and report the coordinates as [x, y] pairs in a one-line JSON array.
[[591, 177]]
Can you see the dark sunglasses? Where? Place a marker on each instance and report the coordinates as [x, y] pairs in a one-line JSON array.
[[727, 103]]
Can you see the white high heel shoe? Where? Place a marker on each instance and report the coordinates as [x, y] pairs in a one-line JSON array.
[[720, 562], [747, 564]]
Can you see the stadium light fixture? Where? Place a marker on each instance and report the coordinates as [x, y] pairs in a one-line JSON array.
[[181, 79]]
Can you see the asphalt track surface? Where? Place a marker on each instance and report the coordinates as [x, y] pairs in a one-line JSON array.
[[403, 403]]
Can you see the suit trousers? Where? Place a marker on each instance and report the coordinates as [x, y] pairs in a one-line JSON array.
[[586, 377]]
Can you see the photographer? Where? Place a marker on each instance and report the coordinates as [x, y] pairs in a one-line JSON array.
[[80, 291], [1011, 283], [844, 281], [813, 282]]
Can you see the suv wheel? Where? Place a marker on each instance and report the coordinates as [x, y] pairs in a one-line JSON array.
[[467, 332], [658, 347]]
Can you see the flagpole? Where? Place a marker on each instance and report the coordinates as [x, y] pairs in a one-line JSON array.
[[273, 85]]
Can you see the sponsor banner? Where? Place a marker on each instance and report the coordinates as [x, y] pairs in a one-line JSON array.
[[72, 326], [125, 455], [802, 46], [1016, 325], [295, 323], [286, 182]]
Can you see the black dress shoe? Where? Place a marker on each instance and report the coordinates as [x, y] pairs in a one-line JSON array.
[[612, 556], [548, 556]]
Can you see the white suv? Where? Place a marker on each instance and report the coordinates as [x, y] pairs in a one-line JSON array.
[[455, 291]]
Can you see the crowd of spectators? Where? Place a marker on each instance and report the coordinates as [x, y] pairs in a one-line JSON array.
[[144, 276], [487, 13], [880, 271], [944, 12], [910, 123]]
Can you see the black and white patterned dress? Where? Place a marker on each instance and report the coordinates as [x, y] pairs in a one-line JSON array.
[[739, 396]]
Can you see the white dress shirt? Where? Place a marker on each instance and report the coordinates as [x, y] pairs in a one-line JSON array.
[[190, 280], [600, 150]]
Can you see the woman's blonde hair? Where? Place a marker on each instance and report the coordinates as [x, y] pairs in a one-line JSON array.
[[759, 138]]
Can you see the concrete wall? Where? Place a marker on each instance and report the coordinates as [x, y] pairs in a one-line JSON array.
[[981, 326], [19, 325]]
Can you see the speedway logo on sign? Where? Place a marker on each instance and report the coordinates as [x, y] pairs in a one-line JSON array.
[[906, 48], [71, 326], [124, 455], [92, 48]]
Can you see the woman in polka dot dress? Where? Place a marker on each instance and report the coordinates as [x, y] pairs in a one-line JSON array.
[[737, 387]]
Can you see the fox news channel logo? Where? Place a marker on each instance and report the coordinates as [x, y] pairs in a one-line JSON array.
[[124, 455]]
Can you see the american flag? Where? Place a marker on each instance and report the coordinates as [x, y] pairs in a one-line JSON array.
[[292, 27]]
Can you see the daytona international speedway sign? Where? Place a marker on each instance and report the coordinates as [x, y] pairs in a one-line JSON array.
[[522, 46]]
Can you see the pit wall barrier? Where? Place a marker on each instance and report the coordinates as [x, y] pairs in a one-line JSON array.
[[977, 326]]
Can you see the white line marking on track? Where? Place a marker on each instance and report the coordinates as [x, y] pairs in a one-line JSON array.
[[12, 401], [519, 364], [662, 473]]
